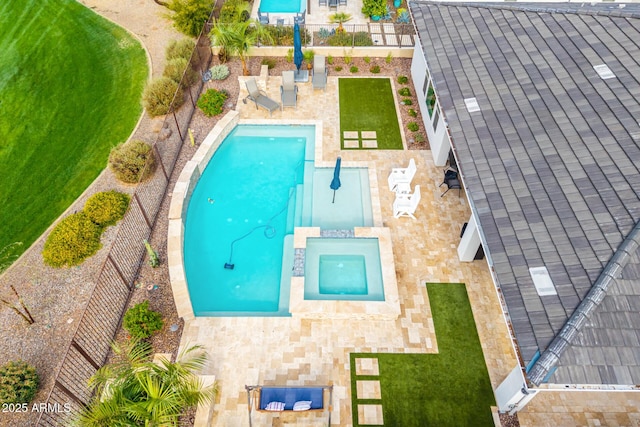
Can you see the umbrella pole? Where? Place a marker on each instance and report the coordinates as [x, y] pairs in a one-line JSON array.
[[334, 196]]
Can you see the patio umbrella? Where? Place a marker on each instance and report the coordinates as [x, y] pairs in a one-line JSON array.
[[335, 182], [297, 47]]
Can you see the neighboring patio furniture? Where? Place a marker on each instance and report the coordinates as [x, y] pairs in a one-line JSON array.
[[319, 78], [263, 18], [452, 180], [288, 90], [259, 97], [401, 175], [406, 204]]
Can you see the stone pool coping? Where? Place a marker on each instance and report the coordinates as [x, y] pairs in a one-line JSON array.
[[193, 170]]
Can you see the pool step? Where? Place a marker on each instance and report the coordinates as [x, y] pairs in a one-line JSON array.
[[367, 211], [298, 207], [291, 211], [286, 273], [307, 196]]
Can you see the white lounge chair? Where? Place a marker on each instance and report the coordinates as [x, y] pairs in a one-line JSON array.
[[288, 90], [319, 78], [401, 175], [406, 204], [259, 97]]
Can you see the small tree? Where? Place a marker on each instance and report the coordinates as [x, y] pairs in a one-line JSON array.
[[142, 322], [339, 18], [236, 38], [189, 16]]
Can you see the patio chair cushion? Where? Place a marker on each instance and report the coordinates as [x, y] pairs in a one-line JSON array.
[[275, 406]]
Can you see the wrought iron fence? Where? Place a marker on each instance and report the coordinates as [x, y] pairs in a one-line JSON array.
[[101, 319], [383, 34]]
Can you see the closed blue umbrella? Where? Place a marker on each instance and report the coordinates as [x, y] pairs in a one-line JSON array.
[[335, 182], [297, 46]]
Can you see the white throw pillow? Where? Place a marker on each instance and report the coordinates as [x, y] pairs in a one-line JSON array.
[[302, 405]]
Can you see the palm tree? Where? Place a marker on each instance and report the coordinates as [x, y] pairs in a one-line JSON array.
[[339, 18], [133, 391], [236, 38]]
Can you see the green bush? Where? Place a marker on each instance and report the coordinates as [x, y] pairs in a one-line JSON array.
[[353, 69], [219, 72], [182, 48], [283, 36], [367, 59], [338, 68], [403, 80], [142, 322], [375, 69], [329, 59], [389, 58], [107, 208], [72, 241], [159, 94], [412, 112], [234, 11], [412, 126], [347, 59], [128, 160], [18, 382], [406, 102], [404, 91], [289, 56], [189, 16], [269, 62], [212, 102], [178, 67], [420, 138], [360, 38]]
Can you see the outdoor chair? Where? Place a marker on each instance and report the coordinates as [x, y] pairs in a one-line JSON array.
[[452, 180], [288, 90], [263, 18], [259, 97], [401, 175], [406, 204], [319, 78]]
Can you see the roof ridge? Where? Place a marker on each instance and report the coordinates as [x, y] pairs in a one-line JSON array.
[[567, 335], [564, 8]]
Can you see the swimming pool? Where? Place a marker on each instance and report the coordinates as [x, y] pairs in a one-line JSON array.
[[282, 6], [239, 214]]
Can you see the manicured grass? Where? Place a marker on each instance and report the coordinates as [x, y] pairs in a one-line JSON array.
[[450, 388], [367, 105], [70, 86]]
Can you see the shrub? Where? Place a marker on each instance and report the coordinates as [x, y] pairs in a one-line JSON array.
[[375, 69], [404, 91], [182, 48], [360, 38], [412, 112], [234, 11], [212, 102], [73, 240], [289, 57], [141, 322], [308, 56], [412, 126], [219, 72], [367, 59], [178, 67], [107, 208], [282, 36], [406, 102], [347, 59], [420, 138], [403, 16], [189, 16], [353, 69], [388, 58], [403, 80], [128, 160], [329, 59], [269, 62], [159, 94], [338, 68], [18, 382]]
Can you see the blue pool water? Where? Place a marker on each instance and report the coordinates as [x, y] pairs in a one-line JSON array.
[[281, 6], [248, 188]]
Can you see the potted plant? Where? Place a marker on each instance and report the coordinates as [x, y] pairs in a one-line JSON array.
[[374, 8], [397, 3]]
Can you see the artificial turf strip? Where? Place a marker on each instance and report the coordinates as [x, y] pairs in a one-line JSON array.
[[450, 388], [70, 87], [368, 105]]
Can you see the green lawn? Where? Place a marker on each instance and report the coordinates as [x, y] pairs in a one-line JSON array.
[[70, 86], [367, 105], [450, 388]]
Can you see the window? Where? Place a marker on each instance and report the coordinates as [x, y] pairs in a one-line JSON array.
[[431, 100], [424, 84], [436, 117]]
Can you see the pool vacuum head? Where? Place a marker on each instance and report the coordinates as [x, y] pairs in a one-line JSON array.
[[229, 266]]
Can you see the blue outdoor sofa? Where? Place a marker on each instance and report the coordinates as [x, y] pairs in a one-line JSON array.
[[291, 395]]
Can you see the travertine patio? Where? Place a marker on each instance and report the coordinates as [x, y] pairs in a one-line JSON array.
[[290, 351]]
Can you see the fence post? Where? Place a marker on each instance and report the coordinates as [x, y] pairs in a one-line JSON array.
[[173, 112]]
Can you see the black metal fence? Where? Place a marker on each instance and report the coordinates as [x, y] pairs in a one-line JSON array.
[[101, 319]]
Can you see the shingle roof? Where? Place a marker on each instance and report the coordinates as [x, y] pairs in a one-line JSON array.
[[551, 161]]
